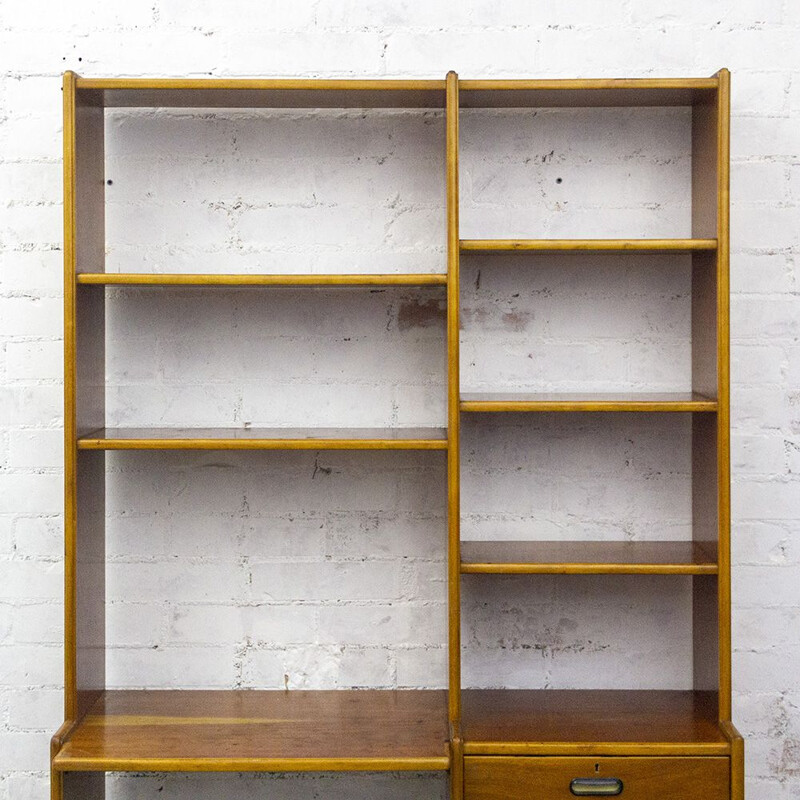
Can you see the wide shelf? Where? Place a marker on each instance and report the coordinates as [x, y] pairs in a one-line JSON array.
[[586, 93], [586, 245], [174, 730], [215, 279], [586, 402], [265, 439], [382, 93], [588, 558], [589, 721], [249, 93]]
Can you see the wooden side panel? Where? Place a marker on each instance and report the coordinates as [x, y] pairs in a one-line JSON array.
[[737, 759], [453, 419], [56, 785], [710, 375], [510, 778], [723, 389], [84, 404]]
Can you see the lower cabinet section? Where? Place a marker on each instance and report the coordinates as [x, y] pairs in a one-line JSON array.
[[563, 778]]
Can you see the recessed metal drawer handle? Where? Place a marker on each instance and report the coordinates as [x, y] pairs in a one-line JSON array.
[[596, 787]]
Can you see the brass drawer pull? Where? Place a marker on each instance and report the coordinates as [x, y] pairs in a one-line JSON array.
[[596, 787]]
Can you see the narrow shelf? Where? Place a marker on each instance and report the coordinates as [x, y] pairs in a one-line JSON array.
[[249, 93], [231, 731], [265, 439], [591, 721], [584, 245], [144, 279], [588, 558], [586, 93], [595, 401]]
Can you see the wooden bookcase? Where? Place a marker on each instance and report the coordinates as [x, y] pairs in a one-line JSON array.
[[494, 743]]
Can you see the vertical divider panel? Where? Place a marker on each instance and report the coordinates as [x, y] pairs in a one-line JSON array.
[[84, 404], [453, 419], [456, 764]]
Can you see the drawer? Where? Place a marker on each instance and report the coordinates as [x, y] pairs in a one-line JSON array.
[[562, 778]]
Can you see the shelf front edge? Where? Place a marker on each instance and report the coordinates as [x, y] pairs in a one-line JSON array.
[[492, 406], [478, 568], [215, 279], [262, 444], [78, 764], [596, 748], [507, 84], [264, 84], [586, 245]]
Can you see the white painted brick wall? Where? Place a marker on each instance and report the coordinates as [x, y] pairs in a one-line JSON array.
[[327, 569]]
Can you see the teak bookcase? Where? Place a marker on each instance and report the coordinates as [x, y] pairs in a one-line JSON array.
[[495, 744]]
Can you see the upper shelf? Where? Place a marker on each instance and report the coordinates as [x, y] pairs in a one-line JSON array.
[[265, 439], [596, 401], [584, 245], [586, 93], [216, 279], [244, 93], [233, 731], [312, 93]]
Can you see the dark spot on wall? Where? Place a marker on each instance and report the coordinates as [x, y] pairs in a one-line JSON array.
[[516, 320], [420, 314], [474, 316], [786, 761], [320, 469]]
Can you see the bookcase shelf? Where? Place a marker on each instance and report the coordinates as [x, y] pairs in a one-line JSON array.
[[587, 245], [265, 439], [590, 402], [591, 722], [587, 93], [249, 93], [258, 731], [645, 734], [143, 279], [587, 558]]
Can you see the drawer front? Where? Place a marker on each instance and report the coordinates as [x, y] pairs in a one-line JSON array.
[[564, 778]]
